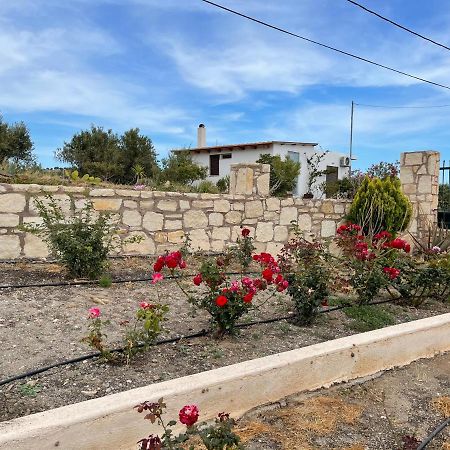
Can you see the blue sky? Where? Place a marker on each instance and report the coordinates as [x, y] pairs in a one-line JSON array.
[[167, 65]]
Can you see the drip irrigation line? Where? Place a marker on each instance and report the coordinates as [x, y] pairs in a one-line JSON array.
[[429, 438], [170, 341], [116, 281]]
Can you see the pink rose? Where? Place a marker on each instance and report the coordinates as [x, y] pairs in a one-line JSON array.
[[94, 313], [157, 277]]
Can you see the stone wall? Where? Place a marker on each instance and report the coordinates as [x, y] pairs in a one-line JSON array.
[[163, 219], [419, 175]]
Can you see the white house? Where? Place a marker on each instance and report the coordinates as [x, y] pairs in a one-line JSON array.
[[218, 159]]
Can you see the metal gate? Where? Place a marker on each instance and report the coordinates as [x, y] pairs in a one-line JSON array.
[[444, 195]]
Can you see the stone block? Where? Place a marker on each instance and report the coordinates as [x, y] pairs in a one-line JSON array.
[[339, 208], [10, 247], [216, 219], [218, 246], [274, 248], [305, 222], [184, 204], [107, 204], [167, 205], [202, 204], [62, 200], [238, 206], [287, 201], [9, 220], [424, 185], [273, 204], [264, 231], [161, 237], [288, 214], [128, 193], [195, 219], [33, 220], [253, 208], [271, 215], [413, 158], [328, 228], [327, 207], [147, 205], [233, 217], [11, 203], [280, 233], [262, 184], [132, 218], [244, 181], [131, 204], [176, 237], [173, 225], [222, 206], [199, 240], [35, 247], [153, 221], [144, 246], [221, 233], [102, 193]]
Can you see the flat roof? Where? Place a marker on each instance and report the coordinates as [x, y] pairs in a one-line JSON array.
[[245, 146]]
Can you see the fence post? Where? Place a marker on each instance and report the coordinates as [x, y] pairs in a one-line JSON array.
[[419, 175]]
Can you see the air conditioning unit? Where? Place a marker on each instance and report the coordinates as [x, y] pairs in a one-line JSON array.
[[344, 161]]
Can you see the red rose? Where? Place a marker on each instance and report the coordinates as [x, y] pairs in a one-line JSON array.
[[392, 272], [182, 264], [198, 279], [188, 415], [248, 297], [245, 232], [221, 301], [159, 264], [267, 275], [171, 262], [407, 248]]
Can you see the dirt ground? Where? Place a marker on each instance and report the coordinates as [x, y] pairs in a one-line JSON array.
[[385, 413], [41, 326]]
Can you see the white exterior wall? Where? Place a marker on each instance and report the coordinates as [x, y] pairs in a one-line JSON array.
[[237, 156], [252, 155]]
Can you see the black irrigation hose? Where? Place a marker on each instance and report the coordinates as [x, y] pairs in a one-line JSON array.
[[170, 341], [428, 439], [118, 280]]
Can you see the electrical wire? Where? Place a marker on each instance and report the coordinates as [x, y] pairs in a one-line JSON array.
[[290, 33], [402, 107], [398, 25]]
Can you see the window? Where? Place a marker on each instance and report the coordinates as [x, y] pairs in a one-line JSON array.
[[331, 182], [214, 165], [226, 156]]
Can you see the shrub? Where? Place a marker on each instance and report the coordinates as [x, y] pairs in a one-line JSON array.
[[207, 187], [304, 265], [81, 242], [380, 205], [223, 184]]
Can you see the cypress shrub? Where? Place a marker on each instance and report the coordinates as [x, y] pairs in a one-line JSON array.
[[380, 205]]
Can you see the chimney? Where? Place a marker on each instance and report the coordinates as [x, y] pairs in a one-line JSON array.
[[201, 136]]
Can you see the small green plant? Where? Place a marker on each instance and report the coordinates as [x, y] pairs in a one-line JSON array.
[[29, 390], [74, 176], [368, 318], [146, 328], [105, 281], [81, 242], [380, 205]]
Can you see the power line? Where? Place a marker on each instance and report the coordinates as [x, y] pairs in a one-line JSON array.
[[398, 25], [402, 107], [290, 33]]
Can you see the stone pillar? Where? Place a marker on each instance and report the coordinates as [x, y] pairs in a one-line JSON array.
[[250, 179], [419, 175]]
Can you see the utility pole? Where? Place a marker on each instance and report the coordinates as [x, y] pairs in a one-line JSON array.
[[351, 139]]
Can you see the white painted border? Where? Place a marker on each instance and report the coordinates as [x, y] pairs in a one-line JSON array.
[[111, 422]]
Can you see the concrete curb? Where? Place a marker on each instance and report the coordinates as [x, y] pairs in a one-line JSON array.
[[111, 422]]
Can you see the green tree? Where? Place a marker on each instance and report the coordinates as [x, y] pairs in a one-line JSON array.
[[283, 174], [15, 143], [179, 168], [380, 205], [94, 151], [136, 150]]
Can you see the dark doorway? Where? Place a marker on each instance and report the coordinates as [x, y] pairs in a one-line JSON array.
[[214, 164]]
